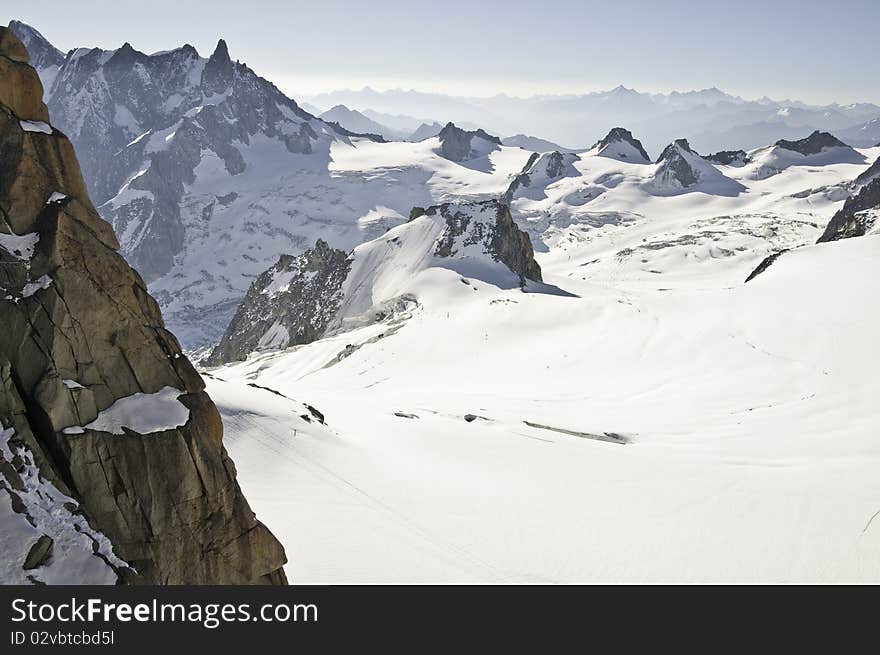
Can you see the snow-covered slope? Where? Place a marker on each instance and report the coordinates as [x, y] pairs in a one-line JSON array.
[[610, 224], [627, 434]]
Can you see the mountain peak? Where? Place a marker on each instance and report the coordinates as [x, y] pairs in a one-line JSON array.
[[42, 53], [620, 144], [218, 71], [221, 52], [674, 149], [812, 144], [455, 143]]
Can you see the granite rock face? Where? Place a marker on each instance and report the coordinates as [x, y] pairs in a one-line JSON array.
[[292, 303], [81, 335]]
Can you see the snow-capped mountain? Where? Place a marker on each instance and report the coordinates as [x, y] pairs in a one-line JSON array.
[[620, 144], [324, 291], [187, 155], [592, 356], [817, 149], [460, 145], [680, 168]]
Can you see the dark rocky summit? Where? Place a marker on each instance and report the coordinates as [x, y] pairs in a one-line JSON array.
[[292, 303], [812, 144], [729, 158], [456, 144], [620, 135], [80, 334]]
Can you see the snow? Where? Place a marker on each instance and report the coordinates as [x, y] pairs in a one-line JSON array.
[[72, 384], [144, 413], [40, 283], [20, 246], [126, 120], [36, 126], [56, 196], [749, 412]]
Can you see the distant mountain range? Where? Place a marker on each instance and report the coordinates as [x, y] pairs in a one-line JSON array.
[[713, 119]]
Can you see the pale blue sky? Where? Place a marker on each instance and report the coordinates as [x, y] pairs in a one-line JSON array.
[[816, 51]]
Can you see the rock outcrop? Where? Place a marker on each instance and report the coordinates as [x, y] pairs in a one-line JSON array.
[[291, 303], [458, 145], [324, 291], [620, 144], [729, 158], [860, 214], [870, 174], [96, 398]]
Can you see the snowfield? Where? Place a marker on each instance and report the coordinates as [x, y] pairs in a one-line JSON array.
[[744, 419]]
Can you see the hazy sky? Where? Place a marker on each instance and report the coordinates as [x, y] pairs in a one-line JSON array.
[[812, 50]]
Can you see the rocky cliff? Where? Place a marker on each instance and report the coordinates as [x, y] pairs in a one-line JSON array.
[[107, 430], [291, 303]]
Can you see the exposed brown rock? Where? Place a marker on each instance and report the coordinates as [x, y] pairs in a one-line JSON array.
[[75, 311]]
